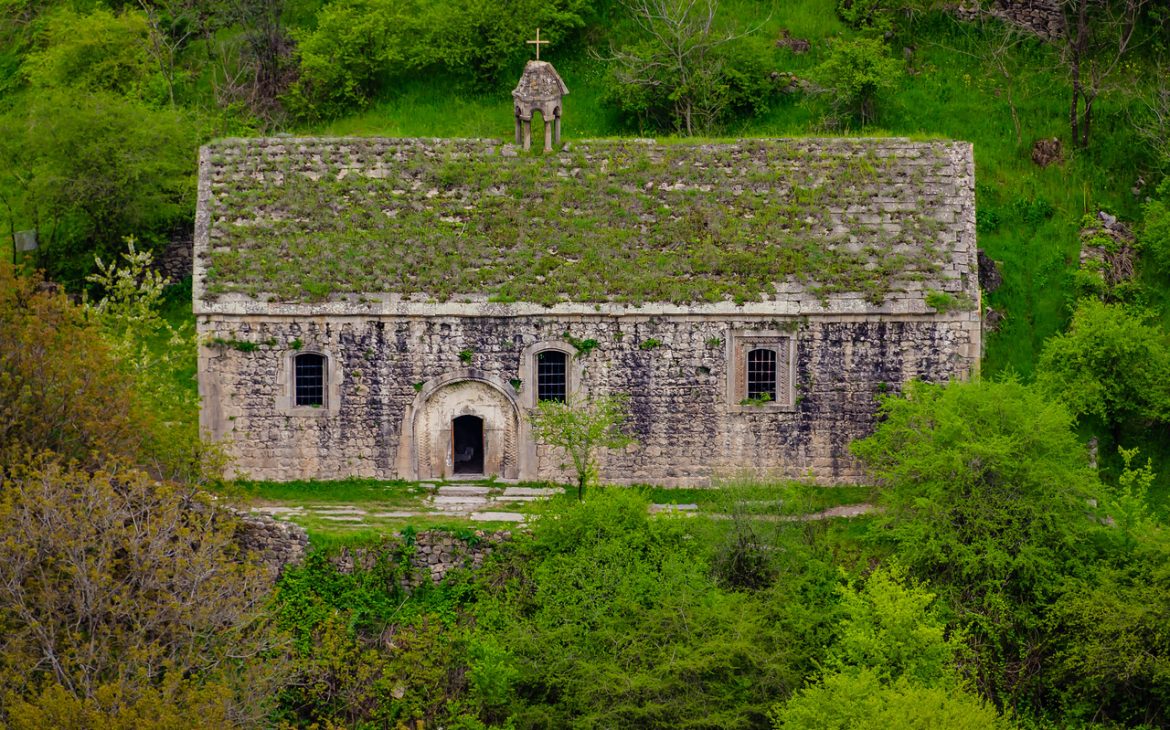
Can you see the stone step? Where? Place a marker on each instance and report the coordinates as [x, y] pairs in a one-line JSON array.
[[458, 499], [657, 508], [342, 518], [337, 510], [530, 492], [464, 490], [497, 517], [278, 510], [390, 515]]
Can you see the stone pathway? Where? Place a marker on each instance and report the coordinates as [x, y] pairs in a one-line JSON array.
[[492, 503]]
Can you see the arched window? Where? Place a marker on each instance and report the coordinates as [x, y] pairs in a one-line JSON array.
[[761, 374], [551, 377], [309, 380]]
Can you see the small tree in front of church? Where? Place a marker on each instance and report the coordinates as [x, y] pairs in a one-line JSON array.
[[582, 428]]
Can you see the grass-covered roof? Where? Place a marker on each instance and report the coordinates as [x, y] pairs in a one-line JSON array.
[[303, 220]]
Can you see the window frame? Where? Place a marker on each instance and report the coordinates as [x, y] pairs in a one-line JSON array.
[[564, 384], [739, 345], [529, 370], [323, 386], [286, 398]]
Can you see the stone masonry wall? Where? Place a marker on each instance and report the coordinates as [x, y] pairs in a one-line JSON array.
[[274, 543], [277, 544], [436, 553], [1042, 18], [673, 368]]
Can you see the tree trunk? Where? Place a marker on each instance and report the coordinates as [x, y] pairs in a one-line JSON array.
[[1077, 51], [1086, 122], [581, 487]]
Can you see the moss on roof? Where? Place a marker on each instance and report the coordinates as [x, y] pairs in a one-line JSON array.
[[629, 221]]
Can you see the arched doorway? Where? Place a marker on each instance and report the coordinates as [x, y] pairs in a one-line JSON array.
[[467, 445], [461, 425]]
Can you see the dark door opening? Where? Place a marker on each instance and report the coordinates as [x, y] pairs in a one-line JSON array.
[[467, 444]]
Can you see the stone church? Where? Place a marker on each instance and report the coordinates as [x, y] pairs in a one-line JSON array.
[[394, 308]]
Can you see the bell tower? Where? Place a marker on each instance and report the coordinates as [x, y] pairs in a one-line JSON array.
[[540, 89]]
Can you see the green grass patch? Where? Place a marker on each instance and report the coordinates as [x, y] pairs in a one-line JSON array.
[[353, 491]]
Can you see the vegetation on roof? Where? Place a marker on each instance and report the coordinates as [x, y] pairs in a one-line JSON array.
[[628, 221]]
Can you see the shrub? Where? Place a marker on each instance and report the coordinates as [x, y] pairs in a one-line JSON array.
[[1112, 363], [870, 15], [361, 49], [1154, 234], [612, 622], [860, 701], [893, 665], [856, 73], [367, 654], [1113, 655], [355, 50]]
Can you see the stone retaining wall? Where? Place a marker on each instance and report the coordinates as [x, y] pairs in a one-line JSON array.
[[175, 260], [274, 543], [277, 544], [436, 552], [1042, 18]]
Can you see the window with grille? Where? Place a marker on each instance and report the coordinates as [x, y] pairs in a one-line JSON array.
[[761, 375], [551, 380], [309, 385]]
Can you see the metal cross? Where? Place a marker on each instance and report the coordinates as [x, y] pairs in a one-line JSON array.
[[538, 43]]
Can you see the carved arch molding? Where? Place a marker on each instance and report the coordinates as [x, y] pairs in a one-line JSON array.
[[440, 403]]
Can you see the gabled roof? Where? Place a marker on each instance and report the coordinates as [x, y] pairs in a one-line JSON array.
[[787, 225]]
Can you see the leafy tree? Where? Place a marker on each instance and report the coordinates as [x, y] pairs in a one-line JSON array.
[[356, 47], [88, 178], [96, 51], [1100, 36], [678, 74], [150, 351], [1112, 363], [173, 23], [893, 666], [856, 72], [581, 429], [60, 383], [985, 491], [119, 590], [266, 54], [360, 49]]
